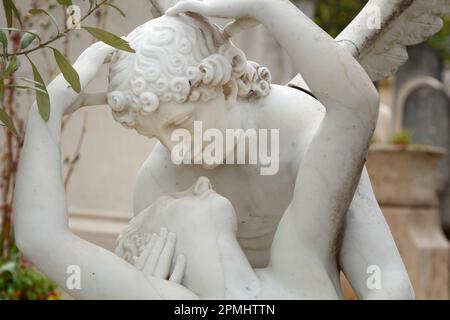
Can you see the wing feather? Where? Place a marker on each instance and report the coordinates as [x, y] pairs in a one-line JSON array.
[[403, 23]]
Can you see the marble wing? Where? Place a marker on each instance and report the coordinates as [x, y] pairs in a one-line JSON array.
[[379, 35]]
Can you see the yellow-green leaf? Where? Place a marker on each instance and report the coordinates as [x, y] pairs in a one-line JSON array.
[[10, 9], [8, 12], [42, 99], [110, 39], [65, 2], [13, 66], [69, 73], [7, 121], [3, 39]]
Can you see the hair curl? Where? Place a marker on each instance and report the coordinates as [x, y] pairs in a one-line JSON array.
[[182, 58]]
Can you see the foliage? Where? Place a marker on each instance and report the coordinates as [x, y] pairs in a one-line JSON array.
[[441, 41], [402, 138], [8, 61], [334, 15], [19, 280]]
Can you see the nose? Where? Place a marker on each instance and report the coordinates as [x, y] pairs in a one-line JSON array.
[[201, 186]]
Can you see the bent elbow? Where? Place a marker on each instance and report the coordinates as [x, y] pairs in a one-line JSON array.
[[33, 244], [366, 105]]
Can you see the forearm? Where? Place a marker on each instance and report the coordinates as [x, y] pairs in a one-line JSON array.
[[39, 200], [103, 275], [368, 244], [330, 71], [39, 175]]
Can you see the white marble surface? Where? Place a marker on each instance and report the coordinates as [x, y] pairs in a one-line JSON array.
[[282, 236]]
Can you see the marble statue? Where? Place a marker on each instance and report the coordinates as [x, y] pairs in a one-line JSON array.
[[281, 236]]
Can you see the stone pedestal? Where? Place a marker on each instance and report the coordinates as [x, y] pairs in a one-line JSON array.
[[423, 107], [405, 183], [423, 247]]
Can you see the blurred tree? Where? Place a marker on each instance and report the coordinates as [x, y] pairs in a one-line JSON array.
[[441, 41], [334, 15]]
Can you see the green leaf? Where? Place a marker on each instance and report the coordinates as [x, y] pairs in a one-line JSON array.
[[110, 39], [10, 9], [27, 39], [13, 66], [117, 8], [65, 2], [8, 12], [42, 99], [69, 73], [6, 120], [16, 13], [3, 39], [37, 11]]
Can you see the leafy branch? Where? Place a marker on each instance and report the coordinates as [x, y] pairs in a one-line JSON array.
[[9, 63]]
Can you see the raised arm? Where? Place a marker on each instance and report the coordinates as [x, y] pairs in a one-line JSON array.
[[40, 208], [332, 165]]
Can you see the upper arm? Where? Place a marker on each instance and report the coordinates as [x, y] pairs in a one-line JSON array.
[[368, 242]]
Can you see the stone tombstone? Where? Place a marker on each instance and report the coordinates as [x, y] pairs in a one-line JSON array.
[[425, 111]]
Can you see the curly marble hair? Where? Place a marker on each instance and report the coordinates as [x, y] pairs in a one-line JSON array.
[[182, 58]]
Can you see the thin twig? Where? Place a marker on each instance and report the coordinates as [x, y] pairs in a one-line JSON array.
[[59, 36]]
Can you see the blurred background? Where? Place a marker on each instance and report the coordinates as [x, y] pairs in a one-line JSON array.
[[408, 161]]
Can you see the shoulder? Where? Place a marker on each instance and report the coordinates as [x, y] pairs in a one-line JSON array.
[[296, 112], [292, 106], [289, 96], [298, 115]]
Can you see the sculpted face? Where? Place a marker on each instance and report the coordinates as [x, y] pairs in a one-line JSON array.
[[219, 114], [196, 214], [200, 218]]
